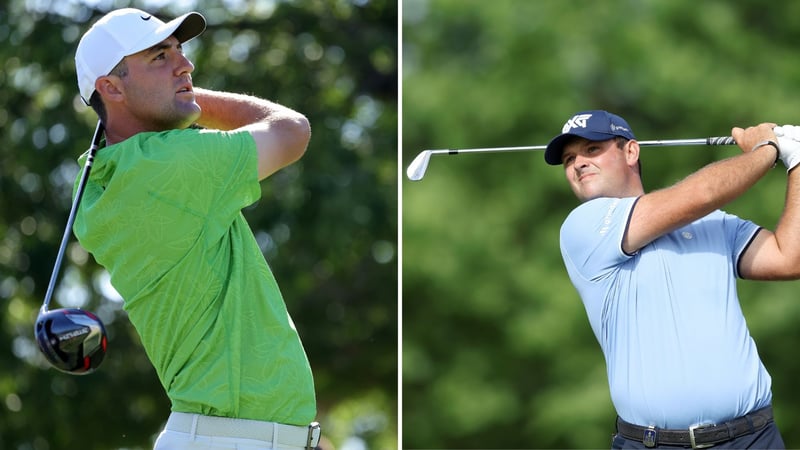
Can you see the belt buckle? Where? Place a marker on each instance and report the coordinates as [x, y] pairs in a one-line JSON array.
[[314, 431], [691, 435], [650, 437]]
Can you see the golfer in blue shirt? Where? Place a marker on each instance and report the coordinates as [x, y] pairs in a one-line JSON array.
[[657, 275]]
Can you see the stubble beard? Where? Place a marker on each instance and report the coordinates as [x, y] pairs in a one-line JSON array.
[[176, 116]]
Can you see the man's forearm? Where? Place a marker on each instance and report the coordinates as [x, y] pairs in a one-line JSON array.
[[281, 134], [786, 231], [228, 111]]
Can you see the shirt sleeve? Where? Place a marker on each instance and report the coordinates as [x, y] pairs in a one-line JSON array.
[[739, 234], [174, 191], [591, 236], [233, 168], [211, 174]]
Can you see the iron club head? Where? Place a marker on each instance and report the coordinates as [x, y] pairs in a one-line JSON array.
[[416, 170]]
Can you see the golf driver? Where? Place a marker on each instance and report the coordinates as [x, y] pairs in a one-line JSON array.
[[416, 170], [73, 340]]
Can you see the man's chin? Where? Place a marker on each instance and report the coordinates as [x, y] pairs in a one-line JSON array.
[[189, 117], [585, 196]]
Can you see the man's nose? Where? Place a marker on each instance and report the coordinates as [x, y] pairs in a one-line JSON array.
[[184, 65], [580, 161]]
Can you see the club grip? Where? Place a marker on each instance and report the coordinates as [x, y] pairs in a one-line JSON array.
[[721, 140]]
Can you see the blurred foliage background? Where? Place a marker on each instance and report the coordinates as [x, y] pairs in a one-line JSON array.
[[497, 350], [327, 224]]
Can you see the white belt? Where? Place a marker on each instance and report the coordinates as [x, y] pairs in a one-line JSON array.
[[291, 435]]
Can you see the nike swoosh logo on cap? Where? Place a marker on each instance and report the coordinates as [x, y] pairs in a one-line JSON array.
[[146, 18]]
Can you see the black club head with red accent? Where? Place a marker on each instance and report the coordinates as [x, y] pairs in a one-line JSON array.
[[72, 340]]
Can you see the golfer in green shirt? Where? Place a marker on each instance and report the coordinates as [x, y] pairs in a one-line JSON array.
[[162, 213]]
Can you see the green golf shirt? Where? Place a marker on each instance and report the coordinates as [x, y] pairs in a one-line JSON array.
[[162, 213]]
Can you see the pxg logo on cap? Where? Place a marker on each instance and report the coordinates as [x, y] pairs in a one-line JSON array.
[[598, 122], [595, 125], [577, 121]]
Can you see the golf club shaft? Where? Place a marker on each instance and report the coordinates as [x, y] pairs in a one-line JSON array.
[[416, 170], [98, 133]]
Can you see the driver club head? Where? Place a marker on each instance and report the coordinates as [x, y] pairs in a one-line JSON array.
[[73, 340]]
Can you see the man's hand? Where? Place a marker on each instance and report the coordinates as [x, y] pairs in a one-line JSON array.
[[747, 138], [789, 142]]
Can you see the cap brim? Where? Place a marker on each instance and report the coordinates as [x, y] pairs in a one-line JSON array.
[[190, 26], [184, 28], [552, 155]]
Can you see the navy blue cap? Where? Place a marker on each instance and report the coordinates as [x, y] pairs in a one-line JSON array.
[[595, 125]]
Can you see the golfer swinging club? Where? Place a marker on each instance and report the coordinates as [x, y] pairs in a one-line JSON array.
[[657, 275], [162, 213]]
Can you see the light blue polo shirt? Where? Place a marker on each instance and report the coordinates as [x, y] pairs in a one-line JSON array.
[[668, 319]]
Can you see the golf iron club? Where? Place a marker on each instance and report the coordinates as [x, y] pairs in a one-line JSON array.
[[416, 170], [72, 340]]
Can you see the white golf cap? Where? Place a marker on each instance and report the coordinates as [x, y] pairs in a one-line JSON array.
[[124, 32]]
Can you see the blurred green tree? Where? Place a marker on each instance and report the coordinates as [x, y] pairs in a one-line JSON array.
[[497, 350], [327, 225]]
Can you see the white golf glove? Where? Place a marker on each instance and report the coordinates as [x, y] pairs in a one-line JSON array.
[[789, 143]]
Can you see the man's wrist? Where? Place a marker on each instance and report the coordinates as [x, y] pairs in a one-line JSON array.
[[773, 144]]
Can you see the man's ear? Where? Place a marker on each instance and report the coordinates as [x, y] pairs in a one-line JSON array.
[[109, 87], [632, 152]]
